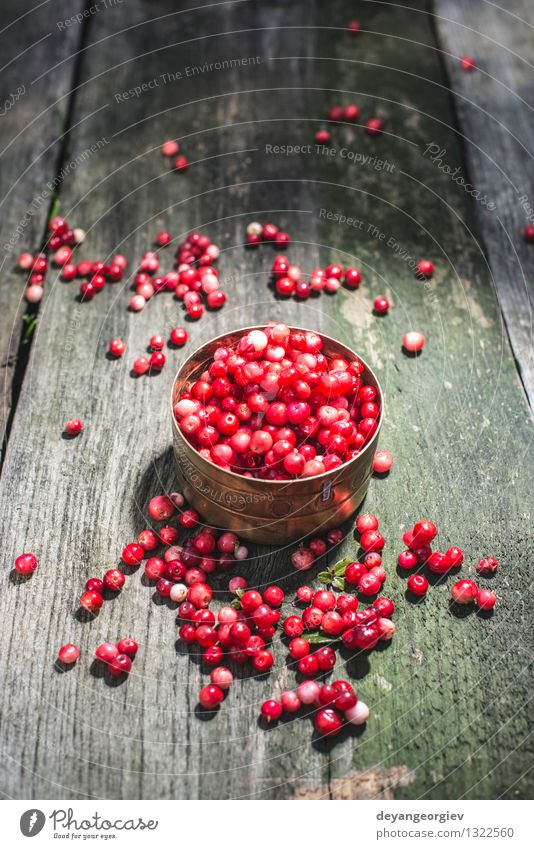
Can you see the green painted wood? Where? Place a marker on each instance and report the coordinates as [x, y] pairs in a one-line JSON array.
[[498, 96], [449, 697], [32, 118]]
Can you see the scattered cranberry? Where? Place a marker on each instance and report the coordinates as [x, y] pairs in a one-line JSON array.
[[179, 336], [68, 654], [25, 564], [141, 365], [132, 554], [382, 462], [417, 584], [95, 584], [106, 652], [181, 163], [73, 427], [271, 710], [128, 646], [467, 63], [487, 566], [354, 27], [357, 715], [114, 579], [381, 306], [424, 532], [323, 137], [34, 293], [170, 148], [528, 233], [485, 599], [157, 360], [117, 347], [455, 556], [328, 722], [374, 127], [425, 269], [91, 601], [121, 664], [413, 341], [464, 592], [290, 701]]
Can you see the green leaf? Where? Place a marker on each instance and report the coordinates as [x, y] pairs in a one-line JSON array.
[[236, 603], [325, 577], [31, 322], [316, 638], [338, 584], [56, 205], [339, 568], [239, 592]]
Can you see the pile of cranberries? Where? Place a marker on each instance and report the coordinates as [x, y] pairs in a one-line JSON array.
[[335, 704], [273, 406], [61, 243], [171, 150], [195, 277], [257, 233], [289, 280]]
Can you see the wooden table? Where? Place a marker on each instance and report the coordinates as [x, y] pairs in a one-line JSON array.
[[450, 696]]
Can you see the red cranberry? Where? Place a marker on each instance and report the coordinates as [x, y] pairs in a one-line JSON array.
[[263, 661], [298, 647], [133, 554], [384, 606], [372, 541], [95, 585], [464, 592], [323, 137], [154, 568], [485, 599], [308, 666], [407, 560], [438, 563], [487, 566], [425, 269], [128, 646], [304, 594], [467, 63], [374, 126], [181, 163], [326, 658], [179, 336], [366, 522], [417, 584], [141, 365], [114, 579], [413, 341], [381, 306], [221, 677], [73, 427], [290, 701], [424, 532], [68, 654], [91, 601], [117, 347], [271, 710], [106, 652], [354, 571], [25, 564], [328, 722], [120, 664], [354, 27]]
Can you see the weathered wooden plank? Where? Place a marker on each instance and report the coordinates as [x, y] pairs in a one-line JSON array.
[[494, 107], [31, 127], [449, 695]]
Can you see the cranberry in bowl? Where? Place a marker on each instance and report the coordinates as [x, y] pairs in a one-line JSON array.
[[274, 431]]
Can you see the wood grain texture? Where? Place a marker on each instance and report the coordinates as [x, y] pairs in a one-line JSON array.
[[449, 697], [32, 116], [495, 116]]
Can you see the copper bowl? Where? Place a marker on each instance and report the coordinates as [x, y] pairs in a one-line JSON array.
[[270, 512]]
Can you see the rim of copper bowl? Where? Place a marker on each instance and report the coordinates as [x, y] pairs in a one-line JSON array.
[[261, 481]]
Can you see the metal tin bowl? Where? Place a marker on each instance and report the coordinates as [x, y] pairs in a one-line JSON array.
[[270, 512]]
